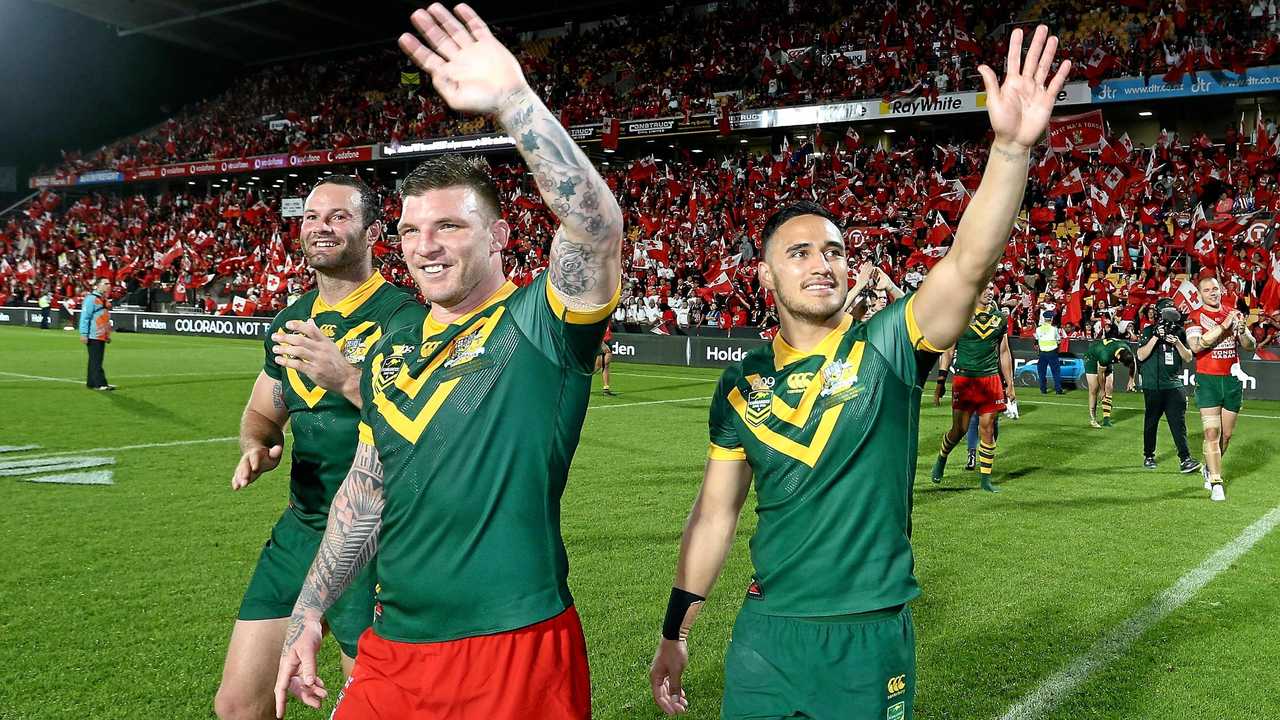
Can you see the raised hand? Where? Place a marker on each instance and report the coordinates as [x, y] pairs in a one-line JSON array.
[[471, 70], [1019, 108]]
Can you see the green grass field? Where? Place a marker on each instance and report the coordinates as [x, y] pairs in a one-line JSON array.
[[117, 601]]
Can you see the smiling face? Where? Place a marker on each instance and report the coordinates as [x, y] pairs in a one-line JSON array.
[[805, 266], [452, 244], [333, 233], [1211, 292]]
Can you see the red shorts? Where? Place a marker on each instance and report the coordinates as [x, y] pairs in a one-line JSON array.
[[539, 671], [980, 395]]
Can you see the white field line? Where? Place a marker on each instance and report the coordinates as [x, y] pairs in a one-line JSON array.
[[648, 402], [142, 446], [1115, 643], [229, 373], [97, 477], [44, 378], [229, 438]]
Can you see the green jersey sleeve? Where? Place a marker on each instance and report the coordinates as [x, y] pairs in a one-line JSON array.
[[725, 443], [565, 335], [894, 333], [269, 365]]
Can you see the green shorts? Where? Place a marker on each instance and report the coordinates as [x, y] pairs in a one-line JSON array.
[[853, 667], [282, 568], [1091, 367], [1224, 391]]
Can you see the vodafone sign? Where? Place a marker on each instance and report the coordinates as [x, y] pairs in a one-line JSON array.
[[329, 157], [249, 164]]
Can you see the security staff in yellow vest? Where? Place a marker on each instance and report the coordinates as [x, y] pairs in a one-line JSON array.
[[1048, 337]]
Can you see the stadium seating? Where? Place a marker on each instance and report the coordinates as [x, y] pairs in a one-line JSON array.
[[767, 54], [693, 220]]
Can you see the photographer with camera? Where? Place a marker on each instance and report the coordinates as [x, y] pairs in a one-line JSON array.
[[1163, 352]]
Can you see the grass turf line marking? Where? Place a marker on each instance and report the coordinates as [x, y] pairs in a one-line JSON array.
[[143, 446], [1061, 684], [666, 377], [20, 376], [178, 443], [42, 378], [97, 477], [34, 466], [17, 448], [648, 402]]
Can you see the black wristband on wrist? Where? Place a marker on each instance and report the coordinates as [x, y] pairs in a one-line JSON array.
[[677, 607], [942, 375]]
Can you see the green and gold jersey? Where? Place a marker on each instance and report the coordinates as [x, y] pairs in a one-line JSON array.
[[1103, 352], [324, 423], [475, 423], [830, 435], [978, 349]]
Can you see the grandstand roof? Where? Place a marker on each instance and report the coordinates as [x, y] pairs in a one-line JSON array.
[[264, 31]]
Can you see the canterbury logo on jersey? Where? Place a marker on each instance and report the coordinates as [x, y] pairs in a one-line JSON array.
[[771, 420], [354, 346], [447, 363], [896, 685]]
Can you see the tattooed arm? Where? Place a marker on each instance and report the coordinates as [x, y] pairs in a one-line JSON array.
[[475, 73], [586, 253], [350, 540], [261, 431]]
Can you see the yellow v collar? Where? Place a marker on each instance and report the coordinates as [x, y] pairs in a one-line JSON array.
[[432, 326], [784, 354], [352, 301]]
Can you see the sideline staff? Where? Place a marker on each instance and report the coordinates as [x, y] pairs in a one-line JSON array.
[[1162, 356]]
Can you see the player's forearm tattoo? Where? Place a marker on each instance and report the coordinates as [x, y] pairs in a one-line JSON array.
[[1008, 154], [277, 395], [591, 221], [351, 537]]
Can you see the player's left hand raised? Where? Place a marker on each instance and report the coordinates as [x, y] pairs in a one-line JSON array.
[[472, 71], [307, 350], [1019, 108]]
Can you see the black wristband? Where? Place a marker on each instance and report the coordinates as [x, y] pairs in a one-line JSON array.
[[677, 607], [942, 375]]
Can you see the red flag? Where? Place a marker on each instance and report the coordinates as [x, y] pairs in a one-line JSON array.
[[725, 126], [241, 306], [169, 257], [852, 141], [965, 43], [1083, 131], [1071, 184], [1101, 203], [1185, 297], [1098, 65], [1074, 311], [642, 169], [610, 131], [1271, 293]]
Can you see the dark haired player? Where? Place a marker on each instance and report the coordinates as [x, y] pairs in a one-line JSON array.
[[309, 380], [825, 420]]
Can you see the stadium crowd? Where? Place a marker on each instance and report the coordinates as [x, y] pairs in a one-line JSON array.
[[1098, 263], [758, 53]]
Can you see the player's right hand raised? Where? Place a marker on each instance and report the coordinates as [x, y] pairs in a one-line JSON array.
[[255, 462], [297, 673], [664, 676]]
